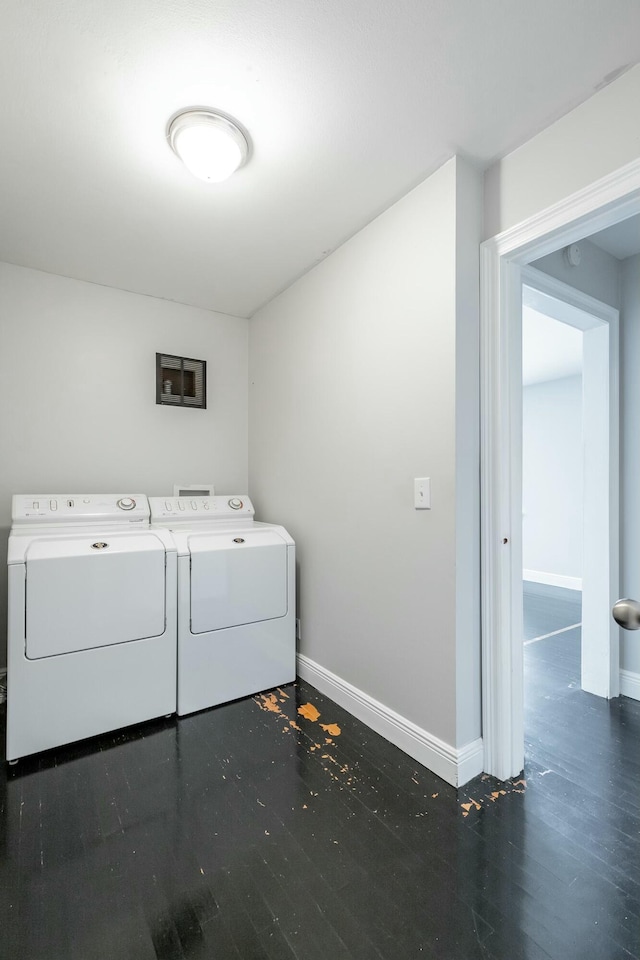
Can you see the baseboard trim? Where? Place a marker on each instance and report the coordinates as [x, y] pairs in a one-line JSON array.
[[552, 579], [457, 767], [630, 684]]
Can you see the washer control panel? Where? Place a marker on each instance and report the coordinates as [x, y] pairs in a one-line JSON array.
[[79, 508], [195, 509]]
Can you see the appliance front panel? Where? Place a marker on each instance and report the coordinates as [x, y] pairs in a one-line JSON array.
[[237, 577], [79, 508], [89, 592]]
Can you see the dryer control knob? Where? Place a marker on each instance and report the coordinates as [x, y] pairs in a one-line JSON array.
[[235, 504], [126, 503]]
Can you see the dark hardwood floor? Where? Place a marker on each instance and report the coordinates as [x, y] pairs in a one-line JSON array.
[[250, 831]]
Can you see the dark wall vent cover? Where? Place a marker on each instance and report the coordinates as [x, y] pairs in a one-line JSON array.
[[181, 381]]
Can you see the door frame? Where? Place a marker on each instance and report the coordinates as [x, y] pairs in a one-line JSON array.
[[502, 259]]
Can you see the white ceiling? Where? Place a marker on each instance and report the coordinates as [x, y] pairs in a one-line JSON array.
[[550, 349], [349, 103], [622, 240]]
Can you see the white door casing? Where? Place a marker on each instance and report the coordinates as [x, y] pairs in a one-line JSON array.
[[503, 257]]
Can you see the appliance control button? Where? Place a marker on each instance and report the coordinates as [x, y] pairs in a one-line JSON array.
[[53, 504], [180, 505], [167, 505], [194, 505], [36, 504], [205, 505], [126, 503], [235, 503]]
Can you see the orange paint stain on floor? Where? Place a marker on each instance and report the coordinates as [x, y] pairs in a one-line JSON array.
[[309, 712], [332, 729], [268, 701], [293, 724], [282, 693]]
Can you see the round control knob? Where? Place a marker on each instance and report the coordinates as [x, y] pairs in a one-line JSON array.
[[126, 503], [235, 503]]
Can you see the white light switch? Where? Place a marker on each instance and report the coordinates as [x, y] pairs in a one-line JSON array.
[[422, 493]]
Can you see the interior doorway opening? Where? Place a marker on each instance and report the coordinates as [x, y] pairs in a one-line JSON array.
[[505, 262], [569, 431]]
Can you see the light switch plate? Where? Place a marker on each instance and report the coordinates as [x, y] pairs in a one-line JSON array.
[[422, 493]]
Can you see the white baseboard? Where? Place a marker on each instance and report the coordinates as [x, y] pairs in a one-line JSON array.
[[630, 684], [457, 767], [552, 579]]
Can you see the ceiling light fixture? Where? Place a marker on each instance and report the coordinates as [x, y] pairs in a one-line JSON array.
[[211, 146]]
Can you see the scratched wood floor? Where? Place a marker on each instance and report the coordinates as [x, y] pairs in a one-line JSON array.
[[252, 832]]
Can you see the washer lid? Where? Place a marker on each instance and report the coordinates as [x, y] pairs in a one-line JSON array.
[[237, 576], [93, 591]]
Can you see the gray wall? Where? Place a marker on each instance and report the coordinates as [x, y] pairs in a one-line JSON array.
[[597, 274], [596, 139], [552, 464], [77, 368], [353, 393]]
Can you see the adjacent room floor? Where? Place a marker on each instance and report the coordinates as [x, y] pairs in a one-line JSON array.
[[280, 827]]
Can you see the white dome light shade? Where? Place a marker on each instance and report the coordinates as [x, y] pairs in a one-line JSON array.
[[209, 145]]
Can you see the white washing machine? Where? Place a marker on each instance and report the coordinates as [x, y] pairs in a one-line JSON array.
[[236, 599], [91, 619]]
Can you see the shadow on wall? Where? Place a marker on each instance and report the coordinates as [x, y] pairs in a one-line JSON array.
[[4, 538]]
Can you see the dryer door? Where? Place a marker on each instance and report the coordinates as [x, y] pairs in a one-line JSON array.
[[237, 577], [93, 591]]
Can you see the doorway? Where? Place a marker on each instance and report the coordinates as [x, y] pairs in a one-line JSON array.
[[570, 492], [504, 265]]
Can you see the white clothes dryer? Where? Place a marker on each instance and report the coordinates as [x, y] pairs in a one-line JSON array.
[[91, 619], [236, 599]]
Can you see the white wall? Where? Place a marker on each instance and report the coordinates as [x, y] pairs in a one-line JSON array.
[[467, 611], [597, 274], [630, 451], [353, 394], [595, 139], [77, 368], [552, 488]]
